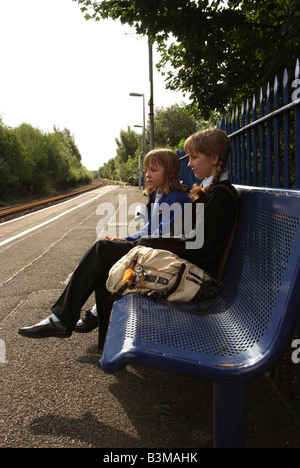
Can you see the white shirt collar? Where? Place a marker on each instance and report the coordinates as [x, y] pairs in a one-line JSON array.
[[208, 180]]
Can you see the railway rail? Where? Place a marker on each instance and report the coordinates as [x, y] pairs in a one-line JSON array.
[[14, 211]]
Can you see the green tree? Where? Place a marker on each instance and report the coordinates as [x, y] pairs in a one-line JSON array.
[[14, 168], [172, 124], [128, 172], [219, 52], [127, 145], [125, 163], [35, 158], [127, 149], [108, 170], [67, 159], [5, 170], [33, 161]]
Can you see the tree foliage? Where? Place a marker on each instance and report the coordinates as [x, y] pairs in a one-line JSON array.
[[125, 164], [172, 125], [126, 161], [127, 145], [35, 162], [220, 52]]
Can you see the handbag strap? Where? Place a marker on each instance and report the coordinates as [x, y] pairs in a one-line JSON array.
[[226, 253]]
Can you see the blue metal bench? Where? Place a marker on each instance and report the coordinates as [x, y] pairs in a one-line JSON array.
[[234, 335]]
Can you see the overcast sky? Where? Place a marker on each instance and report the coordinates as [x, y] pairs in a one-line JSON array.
[[59, 69]]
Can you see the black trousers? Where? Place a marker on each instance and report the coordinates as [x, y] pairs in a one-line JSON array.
[[91, 275]]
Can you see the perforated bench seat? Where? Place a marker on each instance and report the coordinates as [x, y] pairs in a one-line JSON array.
[[237, 333]]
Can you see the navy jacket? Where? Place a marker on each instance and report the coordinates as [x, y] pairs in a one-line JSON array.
[[159, 224]]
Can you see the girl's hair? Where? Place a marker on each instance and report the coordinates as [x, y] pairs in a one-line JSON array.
[[209, 142], [169, 160]]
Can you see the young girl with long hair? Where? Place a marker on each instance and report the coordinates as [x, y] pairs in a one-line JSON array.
[[161, 169]]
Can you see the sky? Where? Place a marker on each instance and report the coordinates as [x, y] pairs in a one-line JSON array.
[[59, 69]]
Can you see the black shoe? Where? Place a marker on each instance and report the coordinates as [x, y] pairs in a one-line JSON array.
[[52, 329], [87, 324]]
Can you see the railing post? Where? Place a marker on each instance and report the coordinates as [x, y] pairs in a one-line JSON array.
[[243, 159], [261, 139], [297, 131], [248, 143], [268, 139], [238, 148], [230, 159], [276, 134], [254, 142], [233, 151], [286, 130]]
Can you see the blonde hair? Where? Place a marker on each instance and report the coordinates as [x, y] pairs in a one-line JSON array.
[[169, 160], [209, 142]]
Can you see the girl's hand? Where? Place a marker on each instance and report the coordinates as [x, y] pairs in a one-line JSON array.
[[115, 238]]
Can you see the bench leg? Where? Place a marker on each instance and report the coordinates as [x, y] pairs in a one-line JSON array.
[[229, 414]]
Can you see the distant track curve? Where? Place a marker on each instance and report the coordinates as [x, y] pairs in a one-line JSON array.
[[10, 212]]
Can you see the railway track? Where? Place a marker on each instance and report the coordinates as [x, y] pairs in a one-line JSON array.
[[14, 211]]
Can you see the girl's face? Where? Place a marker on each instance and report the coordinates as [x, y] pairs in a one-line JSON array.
[[155, 177], [203, 166]]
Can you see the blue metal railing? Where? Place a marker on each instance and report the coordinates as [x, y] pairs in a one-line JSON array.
[[265, 138], [266, 150]]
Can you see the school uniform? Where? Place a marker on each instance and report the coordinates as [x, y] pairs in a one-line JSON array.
[[92, 272], [157, 224], [219, 218]]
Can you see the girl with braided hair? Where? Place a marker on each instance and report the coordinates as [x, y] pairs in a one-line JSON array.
[[208, 152]]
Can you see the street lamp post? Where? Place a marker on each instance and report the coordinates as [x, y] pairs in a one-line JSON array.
[[144, 136], [151, 102]]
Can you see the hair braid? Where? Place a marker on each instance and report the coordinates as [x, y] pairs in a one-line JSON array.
[[220, 169]]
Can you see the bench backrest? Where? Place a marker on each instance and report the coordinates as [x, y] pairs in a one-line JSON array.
[[262, 280]]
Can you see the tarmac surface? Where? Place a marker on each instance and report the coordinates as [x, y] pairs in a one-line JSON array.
[[53, 394]]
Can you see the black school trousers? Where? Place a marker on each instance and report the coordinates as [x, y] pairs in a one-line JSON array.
[[91, 274]]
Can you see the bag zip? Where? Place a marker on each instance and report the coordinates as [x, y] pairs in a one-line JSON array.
[[194, 274], [199, 283]]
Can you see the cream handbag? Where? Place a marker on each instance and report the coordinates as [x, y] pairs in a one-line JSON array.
[[156, 273]]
